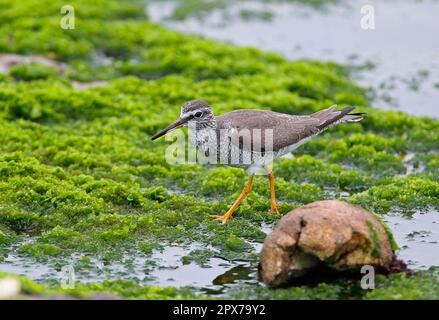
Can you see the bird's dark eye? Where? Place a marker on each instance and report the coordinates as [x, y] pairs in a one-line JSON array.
[[198, 114]]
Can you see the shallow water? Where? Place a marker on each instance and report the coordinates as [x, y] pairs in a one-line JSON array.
[[417, 237], [164, 268], [404, 46], [215, 278]]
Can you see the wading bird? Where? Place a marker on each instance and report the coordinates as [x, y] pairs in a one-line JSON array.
[[252, 139]]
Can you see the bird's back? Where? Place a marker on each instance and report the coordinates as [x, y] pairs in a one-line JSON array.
[[288, 130]]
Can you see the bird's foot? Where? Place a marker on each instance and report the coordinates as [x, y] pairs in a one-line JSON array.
[[222, 218], [274, 207]]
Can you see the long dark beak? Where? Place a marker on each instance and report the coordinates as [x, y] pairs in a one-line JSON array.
[[177, 124]]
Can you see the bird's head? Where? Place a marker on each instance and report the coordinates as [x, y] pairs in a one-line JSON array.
[[195, 110]]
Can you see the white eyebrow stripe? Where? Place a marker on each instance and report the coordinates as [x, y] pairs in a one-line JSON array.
[[195, 111]]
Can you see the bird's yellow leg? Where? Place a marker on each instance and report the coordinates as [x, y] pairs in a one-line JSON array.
[[274, 206], [244, 194]]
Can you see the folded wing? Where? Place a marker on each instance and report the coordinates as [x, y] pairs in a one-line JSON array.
[[283, 130]]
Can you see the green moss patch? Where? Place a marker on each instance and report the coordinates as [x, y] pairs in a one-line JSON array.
[[376, 251]]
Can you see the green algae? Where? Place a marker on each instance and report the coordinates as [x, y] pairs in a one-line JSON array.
[[389, 233], [3, 238], [79, 174], [376, 238], [423, 285], [118, 288], [32, 71], [199, 256], [404, 194], [235, 244]]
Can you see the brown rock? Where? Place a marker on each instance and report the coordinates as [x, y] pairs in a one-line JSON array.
[[331, 233]]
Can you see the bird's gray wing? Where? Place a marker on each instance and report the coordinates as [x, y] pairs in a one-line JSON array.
[[282, 129]]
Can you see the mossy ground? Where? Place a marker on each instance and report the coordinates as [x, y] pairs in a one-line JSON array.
[[80, 176]]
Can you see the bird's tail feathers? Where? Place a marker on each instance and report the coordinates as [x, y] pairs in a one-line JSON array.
[[331, 116], [353, 117]]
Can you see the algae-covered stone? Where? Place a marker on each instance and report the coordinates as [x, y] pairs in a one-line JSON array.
[[332, 233]]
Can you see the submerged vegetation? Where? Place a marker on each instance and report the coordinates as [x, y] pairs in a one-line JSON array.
[[200, 9], [79, 176]]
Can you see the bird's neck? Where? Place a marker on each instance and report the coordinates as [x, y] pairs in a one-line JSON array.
[[208, 124], [203, 133]]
